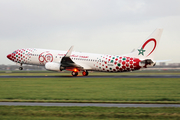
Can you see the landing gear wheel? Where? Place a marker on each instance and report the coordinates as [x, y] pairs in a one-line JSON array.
[[20, 68], [74, 73], [85, 73]]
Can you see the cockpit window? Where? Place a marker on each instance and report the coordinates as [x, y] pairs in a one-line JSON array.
[[14, 52]]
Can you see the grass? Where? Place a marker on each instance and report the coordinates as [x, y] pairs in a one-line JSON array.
[[86, 113], [112, 90]]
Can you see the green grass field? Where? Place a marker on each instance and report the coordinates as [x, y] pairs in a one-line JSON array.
[[122, 90], [110, 90], [86, 113]]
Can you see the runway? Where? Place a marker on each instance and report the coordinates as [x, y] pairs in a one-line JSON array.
[[99, 76], [86, 104]]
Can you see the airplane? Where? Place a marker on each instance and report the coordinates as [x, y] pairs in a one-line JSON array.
[[55, 60]]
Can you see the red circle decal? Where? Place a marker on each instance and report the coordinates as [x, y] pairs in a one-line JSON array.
[[152, 39]]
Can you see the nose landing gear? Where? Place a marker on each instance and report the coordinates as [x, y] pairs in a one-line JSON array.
[[21, 68]]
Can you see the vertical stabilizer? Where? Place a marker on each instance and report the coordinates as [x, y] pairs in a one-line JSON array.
[[149, 47]]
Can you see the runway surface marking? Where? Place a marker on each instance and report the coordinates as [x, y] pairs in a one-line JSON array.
[[98, 76], [86, 104]]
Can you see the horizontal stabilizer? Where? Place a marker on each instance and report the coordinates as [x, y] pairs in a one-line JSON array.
[[157, 61]]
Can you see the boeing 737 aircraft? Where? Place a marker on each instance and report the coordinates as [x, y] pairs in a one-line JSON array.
[[56, 60]]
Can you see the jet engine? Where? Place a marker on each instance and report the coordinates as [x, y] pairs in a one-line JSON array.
[[53, 66]]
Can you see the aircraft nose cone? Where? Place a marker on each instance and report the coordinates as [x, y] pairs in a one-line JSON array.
[[9, 56]]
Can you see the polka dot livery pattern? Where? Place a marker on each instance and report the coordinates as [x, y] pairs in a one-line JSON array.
[[117, 64], [22, 56]]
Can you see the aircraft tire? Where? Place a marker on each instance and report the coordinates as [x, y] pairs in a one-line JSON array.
[[20, 68], [85, 73], [74, 73]]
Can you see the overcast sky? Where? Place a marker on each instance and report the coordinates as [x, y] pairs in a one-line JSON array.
[[96, 26]]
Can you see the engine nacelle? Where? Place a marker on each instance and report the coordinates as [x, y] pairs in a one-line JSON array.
[[52, 66]]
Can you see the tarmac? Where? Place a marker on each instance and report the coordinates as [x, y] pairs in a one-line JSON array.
[[86, 104]]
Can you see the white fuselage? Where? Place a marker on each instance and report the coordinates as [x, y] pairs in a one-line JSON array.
[[89, 61]]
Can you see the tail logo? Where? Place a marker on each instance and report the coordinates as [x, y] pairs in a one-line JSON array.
[[141, 51]]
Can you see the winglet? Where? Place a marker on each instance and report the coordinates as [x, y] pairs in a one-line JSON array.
[[68, 54]]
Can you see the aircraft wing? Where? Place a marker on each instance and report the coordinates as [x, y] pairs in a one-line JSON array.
[[67, 63]]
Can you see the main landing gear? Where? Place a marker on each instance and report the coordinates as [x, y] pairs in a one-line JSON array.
[[75, 73], [21, 68], [85, 73]]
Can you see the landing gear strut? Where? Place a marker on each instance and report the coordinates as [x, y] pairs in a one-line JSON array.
[[21, 68], [74, 73], [85, 73]]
